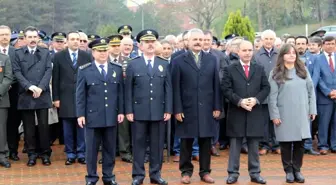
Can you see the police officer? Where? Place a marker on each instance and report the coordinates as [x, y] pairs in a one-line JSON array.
[[32, 68], [100, 102], [148, 104]]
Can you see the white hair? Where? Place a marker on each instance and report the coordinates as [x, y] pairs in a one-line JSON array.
[[82, 34], [126, 40], [179, 37], [170, 38], [277, 41], [194, 30], [268, 32]]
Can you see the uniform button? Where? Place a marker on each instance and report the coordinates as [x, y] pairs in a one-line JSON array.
[[92, 83], [151, 84], [105, 98], [105, 91], [151, 77], [105, 84], [151, 91], [106, 105], [248, 84], [151, 98], [201, 103], [135, 102]]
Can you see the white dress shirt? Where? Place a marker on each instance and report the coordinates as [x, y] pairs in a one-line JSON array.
[[152, 60], [71, 56], [32, 49], [112, 58], [243, 64], [100, 69], [6, 48], [332, 58]]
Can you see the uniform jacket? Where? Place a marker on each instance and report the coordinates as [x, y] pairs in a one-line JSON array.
[[99, 100], [148, 97], [33, 69], [6, 79]]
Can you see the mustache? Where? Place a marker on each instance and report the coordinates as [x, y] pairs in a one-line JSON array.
[[197, 45], [33, 42]]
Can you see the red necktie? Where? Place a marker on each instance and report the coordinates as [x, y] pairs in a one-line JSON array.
[[331, 64], [246, 69], [4, 51]]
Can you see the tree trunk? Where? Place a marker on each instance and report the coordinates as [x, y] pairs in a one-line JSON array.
[[319, 13], [260, 16]]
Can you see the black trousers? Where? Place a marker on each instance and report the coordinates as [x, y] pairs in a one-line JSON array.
[[186, 167], [13, 123], [292, 155], [41, 135]]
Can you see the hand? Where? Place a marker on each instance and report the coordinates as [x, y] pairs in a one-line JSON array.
[[81, 121], [245, 105], [179, 117], [38, 91], [121, 118], [251, 102], [166, 116], [332, 94], [216, 113], [33, 89], [312, 117], [277, 122], [130, 117], [10, 87], [57, 104]]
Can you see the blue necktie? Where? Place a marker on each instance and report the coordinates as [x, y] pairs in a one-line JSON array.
[[149, 66], [74, 59], [103, 72]]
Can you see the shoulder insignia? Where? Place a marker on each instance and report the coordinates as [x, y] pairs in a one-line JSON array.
[[135, 58], [162, 58], [115, 63], [85, 66]]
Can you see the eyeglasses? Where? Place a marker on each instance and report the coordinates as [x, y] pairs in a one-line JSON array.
[[60, 41], [85, 41], [125, 33]]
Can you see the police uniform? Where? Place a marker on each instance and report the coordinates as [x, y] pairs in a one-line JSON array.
[[148, 94], [99, 98], [57, 37], [92, 37]]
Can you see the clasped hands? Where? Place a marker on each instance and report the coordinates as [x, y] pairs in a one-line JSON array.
[[248, 103], [36, 91], [332, 94]]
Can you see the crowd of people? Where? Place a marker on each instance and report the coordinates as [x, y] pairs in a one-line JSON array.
[[116, 95]]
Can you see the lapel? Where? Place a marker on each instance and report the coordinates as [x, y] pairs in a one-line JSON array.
[[204, 60], [32, 59], [143, 66], [155, 66], [188, 58], [68, 59], [96, 72], [110, 71], [239, 67], [326, 59], [251, 72]]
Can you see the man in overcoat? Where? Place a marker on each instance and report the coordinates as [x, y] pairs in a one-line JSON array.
[[197, 103], [246, 86]]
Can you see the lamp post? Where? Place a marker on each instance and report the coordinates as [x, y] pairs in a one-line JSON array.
[[142, 14]]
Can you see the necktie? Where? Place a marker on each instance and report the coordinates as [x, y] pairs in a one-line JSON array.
[[74, 59], [32, 52], [115, 60], [197, 60], [103, 72], [331, 64], [246, 69], [149, 66], [4, 51]]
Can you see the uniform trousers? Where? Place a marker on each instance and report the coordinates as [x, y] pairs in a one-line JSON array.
[[3, 134]]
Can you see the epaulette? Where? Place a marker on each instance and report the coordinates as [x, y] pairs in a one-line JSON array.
[[162, 58], [134, 58], [115, 63], [85, 66]]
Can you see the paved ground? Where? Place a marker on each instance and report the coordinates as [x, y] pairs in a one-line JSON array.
[[318, 170]]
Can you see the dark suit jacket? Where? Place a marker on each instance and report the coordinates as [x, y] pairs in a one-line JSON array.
[[196, 95], [148, 97], [64, 81], [6, 79], [31, 70], [236, 86]]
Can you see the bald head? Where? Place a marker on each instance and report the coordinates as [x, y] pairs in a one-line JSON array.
[[245, 51], [126, 46]]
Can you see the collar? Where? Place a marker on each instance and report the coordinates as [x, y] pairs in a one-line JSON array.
[[70, 51], [146, 58], [267, 51], [29, 49], [327, 55], [7, 48], [243, 64], [98, 64], [112, 58], [207, 51], [196, 53]]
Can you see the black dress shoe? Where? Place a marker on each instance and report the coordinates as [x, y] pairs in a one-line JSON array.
[[90, 183], [100, 161], [46, 161], [70, 161], [31, 162], [244, 150], [5, 163], [24, 150], [231, 180], [290, 177], [127, 160], [223, 147], [14, 157], [333, 151], [158, 181], [137, 182], [258, 180], [81, 160], [110, 182], [299, 178], [311, 152]]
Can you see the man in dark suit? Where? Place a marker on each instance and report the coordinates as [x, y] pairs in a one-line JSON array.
[[6, 79], [324, 75], [245, 85], [148, 105], [65, 67], [32, 68], [14, 116], [100, 107], [197, 104]]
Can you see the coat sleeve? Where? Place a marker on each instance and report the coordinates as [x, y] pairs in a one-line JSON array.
[[121, 99], [168, 92], [18, 73], [44, 83], [311, 95], [273, 99], [81, 94], [321, 84], [217, 91], [227, 87], [316, 72], [55, 79], [177, 99], [7, 79], [265, 87], [129, 90]]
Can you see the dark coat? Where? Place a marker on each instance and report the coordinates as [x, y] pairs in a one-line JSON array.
[[196, 95], [148, 97], [14, 90], [100, 100], [64, 81], [6, 79], [235, 86], [31, 70]]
